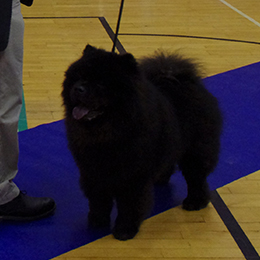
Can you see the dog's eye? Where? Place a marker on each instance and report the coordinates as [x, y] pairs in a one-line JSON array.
[[80, 89]]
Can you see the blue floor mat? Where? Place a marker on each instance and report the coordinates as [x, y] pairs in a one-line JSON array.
[[46, 168]]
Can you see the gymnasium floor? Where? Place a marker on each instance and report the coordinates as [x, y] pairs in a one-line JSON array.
[[223, 36]]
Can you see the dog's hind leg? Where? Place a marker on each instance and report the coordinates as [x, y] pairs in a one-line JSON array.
[[195, 171], [198, 193]]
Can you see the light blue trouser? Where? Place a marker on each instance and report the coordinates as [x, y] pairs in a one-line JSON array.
[[11, 69]]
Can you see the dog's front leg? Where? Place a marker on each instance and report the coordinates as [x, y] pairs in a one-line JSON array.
[[133, 204]]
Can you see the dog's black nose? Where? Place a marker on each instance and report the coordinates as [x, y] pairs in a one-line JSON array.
[[80, 89]]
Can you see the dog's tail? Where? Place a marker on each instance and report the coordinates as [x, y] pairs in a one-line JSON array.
[[167, 67]]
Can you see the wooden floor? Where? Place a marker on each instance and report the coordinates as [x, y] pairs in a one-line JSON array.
[[221, 35]]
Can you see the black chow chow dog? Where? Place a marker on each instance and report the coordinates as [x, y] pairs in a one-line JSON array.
[[128, 125]]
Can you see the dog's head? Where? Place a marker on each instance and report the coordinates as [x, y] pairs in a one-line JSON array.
[[98, 83]]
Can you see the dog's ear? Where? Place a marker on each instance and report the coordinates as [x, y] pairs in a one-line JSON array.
[[89, 49], [128, 62]]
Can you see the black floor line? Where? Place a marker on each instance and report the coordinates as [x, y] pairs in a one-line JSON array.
[[188, 36], [59, 17], [234, 228]]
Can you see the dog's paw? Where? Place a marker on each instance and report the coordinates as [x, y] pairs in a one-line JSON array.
[[192, 204], [123, 233]]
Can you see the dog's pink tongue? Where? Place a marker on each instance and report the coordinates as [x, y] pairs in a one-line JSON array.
[[79, 112]]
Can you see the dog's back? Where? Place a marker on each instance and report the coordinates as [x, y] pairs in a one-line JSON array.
[[180, 80]]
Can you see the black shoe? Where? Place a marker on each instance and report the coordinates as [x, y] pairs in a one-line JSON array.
[[25, 208]]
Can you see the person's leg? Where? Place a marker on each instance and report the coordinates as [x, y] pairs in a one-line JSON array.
[[11, 65], [14, 205]]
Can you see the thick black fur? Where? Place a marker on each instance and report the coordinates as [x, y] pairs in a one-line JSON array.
[[142, 119]]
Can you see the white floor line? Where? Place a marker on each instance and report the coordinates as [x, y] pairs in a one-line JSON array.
[[241, 13]]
